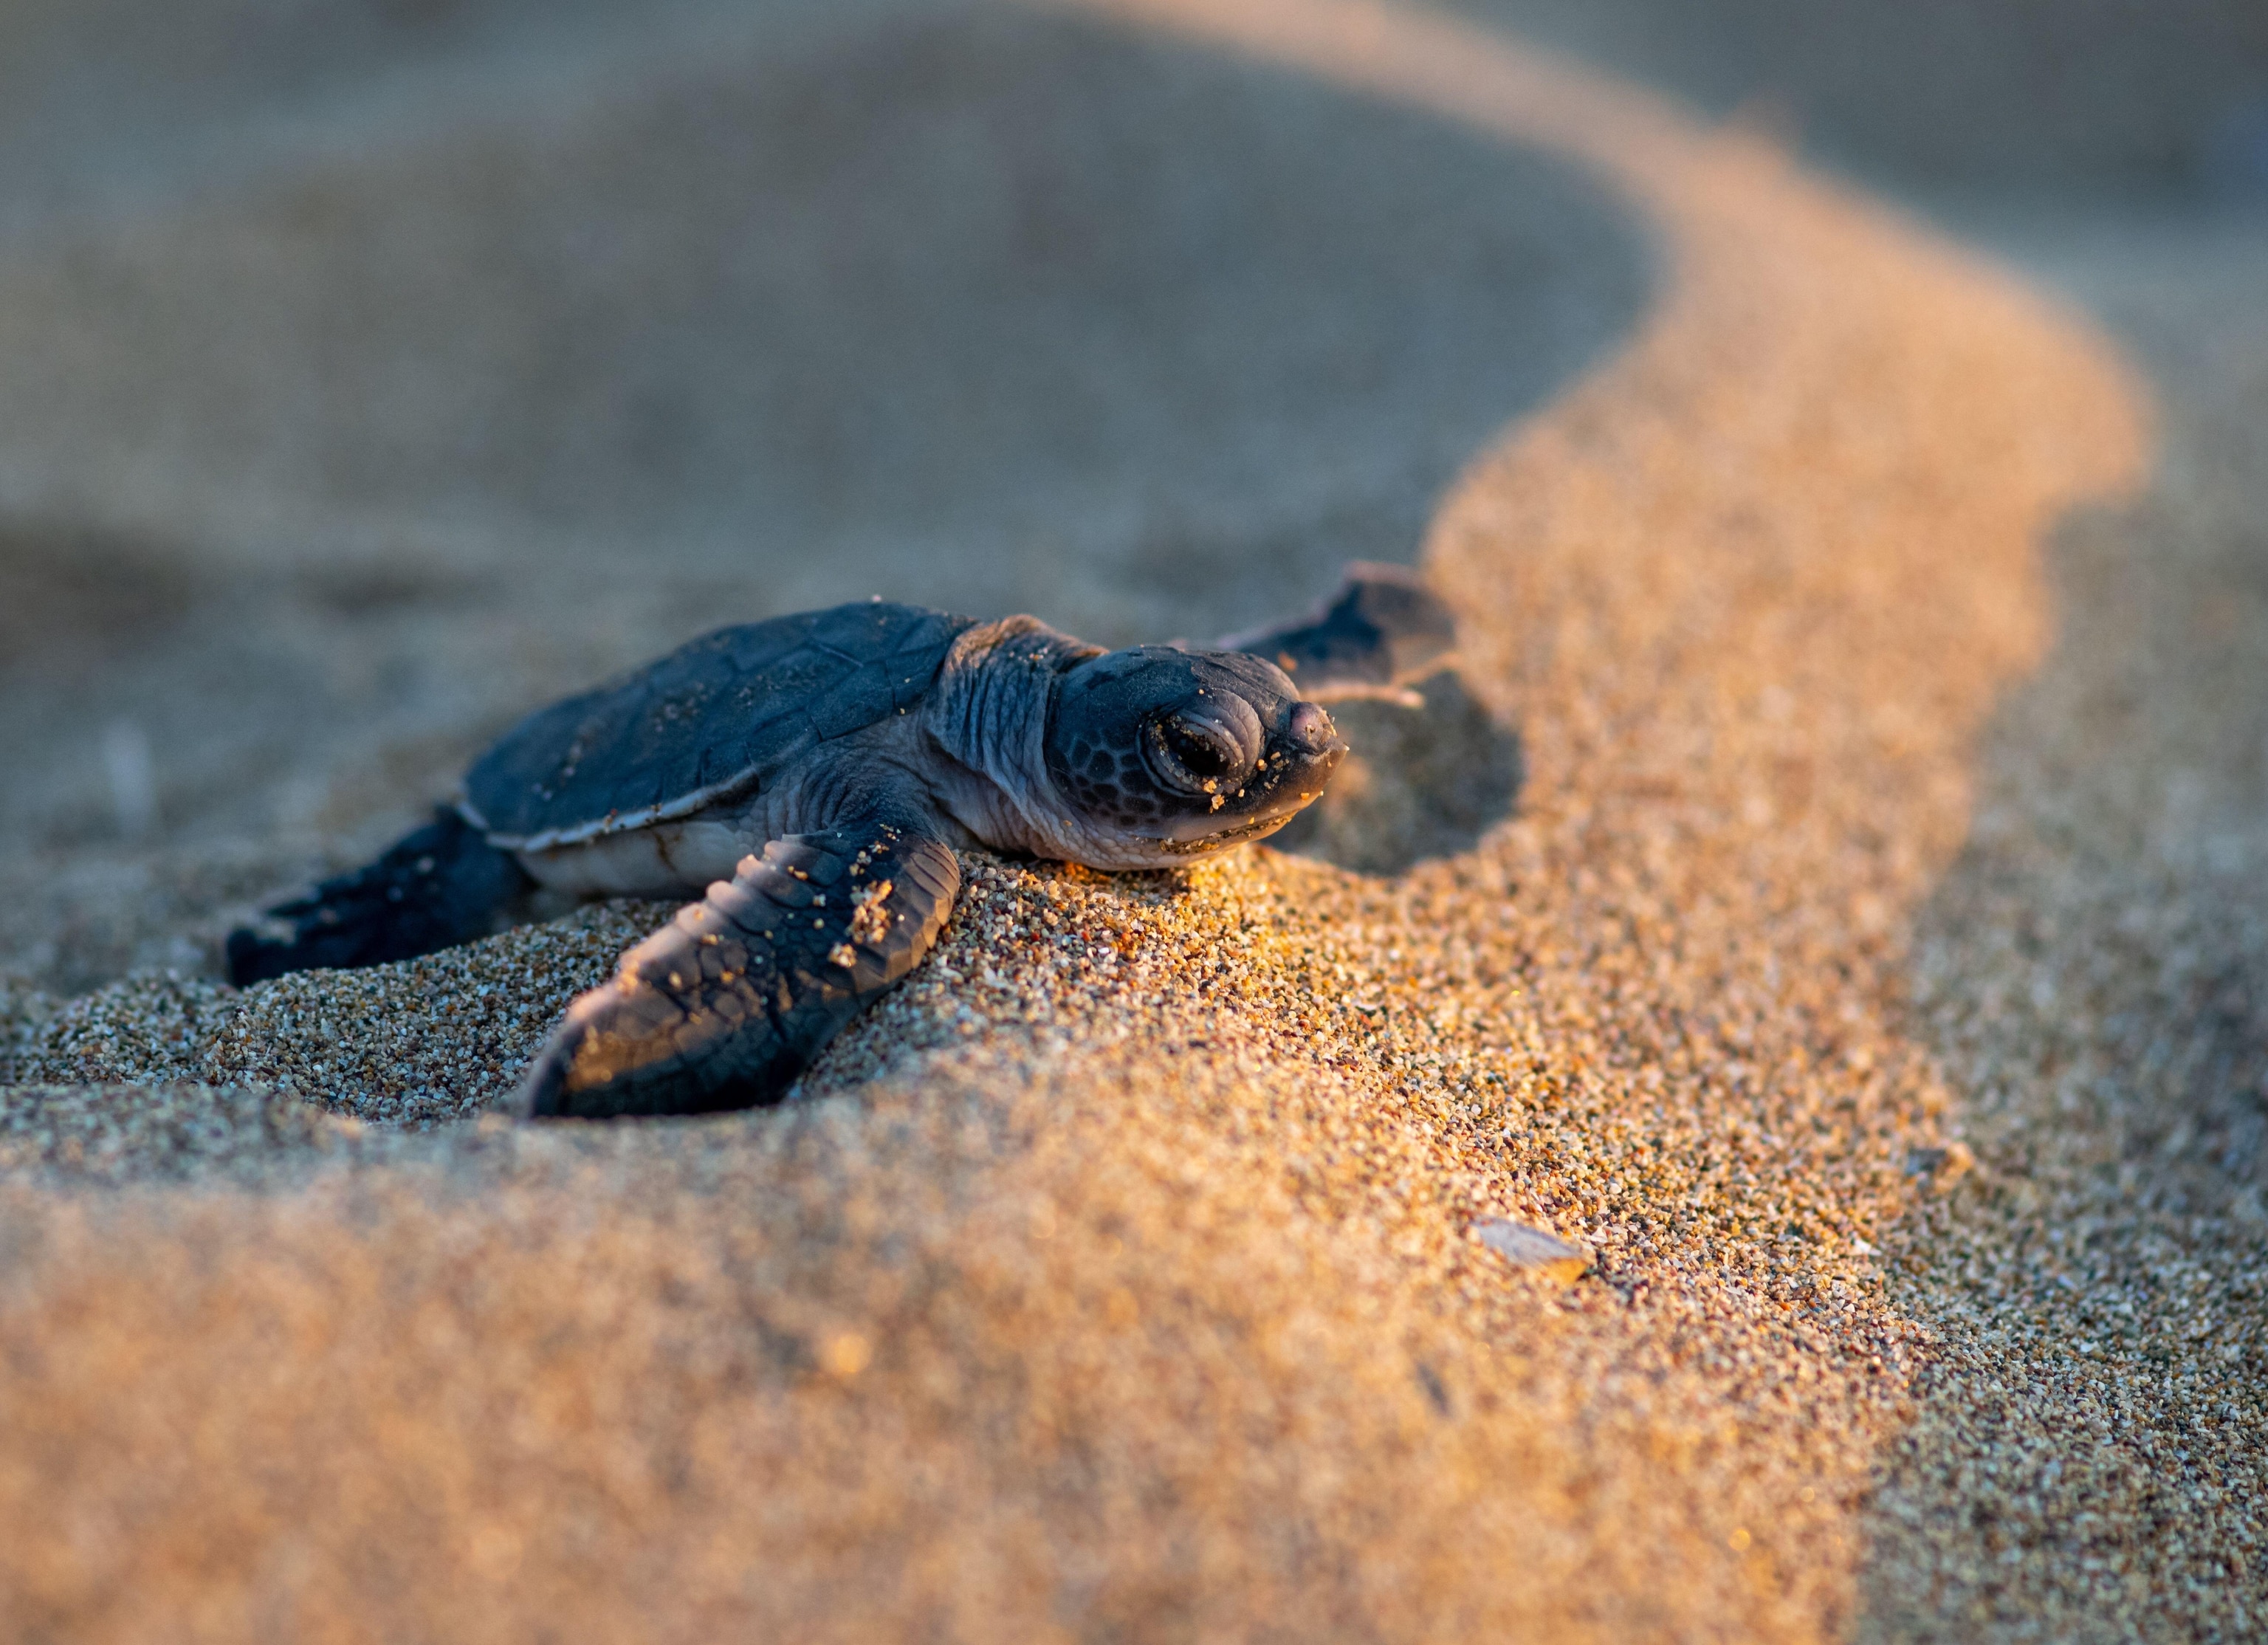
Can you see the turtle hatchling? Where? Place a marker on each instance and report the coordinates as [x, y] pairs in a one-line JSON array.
[[809, 779]]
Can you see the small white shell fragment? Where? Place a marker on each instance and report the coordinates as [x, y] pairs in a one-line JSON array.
[[1533, 1250], [1940, 1167]]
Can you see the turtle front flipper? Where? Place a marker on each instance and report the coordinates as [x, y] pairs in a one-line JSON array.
[[722, 1007], [1380, 631]]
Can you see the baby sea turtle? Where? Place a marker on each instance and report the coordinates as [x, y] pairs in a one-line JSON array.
[[814, 773]]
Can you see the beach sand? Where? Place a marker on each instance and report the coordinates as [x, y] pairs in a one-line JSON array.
[[1865, 973], [2094, 974]]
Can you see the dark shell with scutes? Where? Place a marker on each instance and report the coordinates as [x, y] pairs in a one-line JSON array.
[[707, 723]]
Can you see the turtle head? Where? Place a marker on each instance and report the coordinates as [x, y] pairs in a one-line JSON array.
[[1162, 754]]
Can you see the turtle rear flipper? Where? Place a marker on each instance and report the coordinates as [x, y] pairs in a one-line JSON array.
[[439, 886], [1381, 630], [725, 1005]]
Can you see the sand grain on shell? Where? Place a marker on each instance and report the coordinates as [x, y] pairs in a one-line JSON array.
[[1118, 1276]]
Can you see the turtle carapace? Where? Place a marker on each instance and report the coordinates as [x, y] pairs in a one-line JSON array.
[[809, 779]]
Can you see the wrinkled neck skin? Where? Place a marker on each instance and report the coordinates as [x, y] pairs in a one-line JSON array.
[[989, 714]]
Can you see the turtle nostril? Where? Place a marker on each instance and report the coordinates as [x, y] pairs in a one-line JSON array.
[[1311, 730]]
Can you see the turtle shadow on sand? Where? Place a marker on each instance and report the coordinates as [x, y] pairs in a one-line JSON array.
[[1422, 782]]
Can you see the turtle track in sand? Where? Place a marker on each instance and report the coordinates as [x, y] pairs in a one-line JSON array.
[[1117, 1277]]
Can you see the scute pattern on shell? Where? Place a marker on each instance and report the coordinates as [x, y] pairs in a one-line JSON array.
[[712, 718]]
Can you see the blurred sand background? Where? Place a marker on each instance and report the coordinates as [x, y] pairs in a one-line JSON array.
[[1856, 771]]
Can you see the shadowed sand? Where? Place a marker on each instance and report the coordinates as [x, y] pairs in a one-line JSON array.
[[1117, 1277]]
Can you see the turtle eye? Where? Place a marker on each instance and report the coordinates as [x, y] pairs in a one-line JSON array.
[[1195, 754]]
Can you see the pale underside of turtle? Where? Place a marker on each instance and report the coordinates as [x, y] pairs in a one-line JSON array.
[[809, 779]]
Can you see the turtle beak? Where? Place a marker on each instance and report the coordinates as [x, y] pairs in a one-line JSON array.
[[1310, 733], [1308, 750]]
